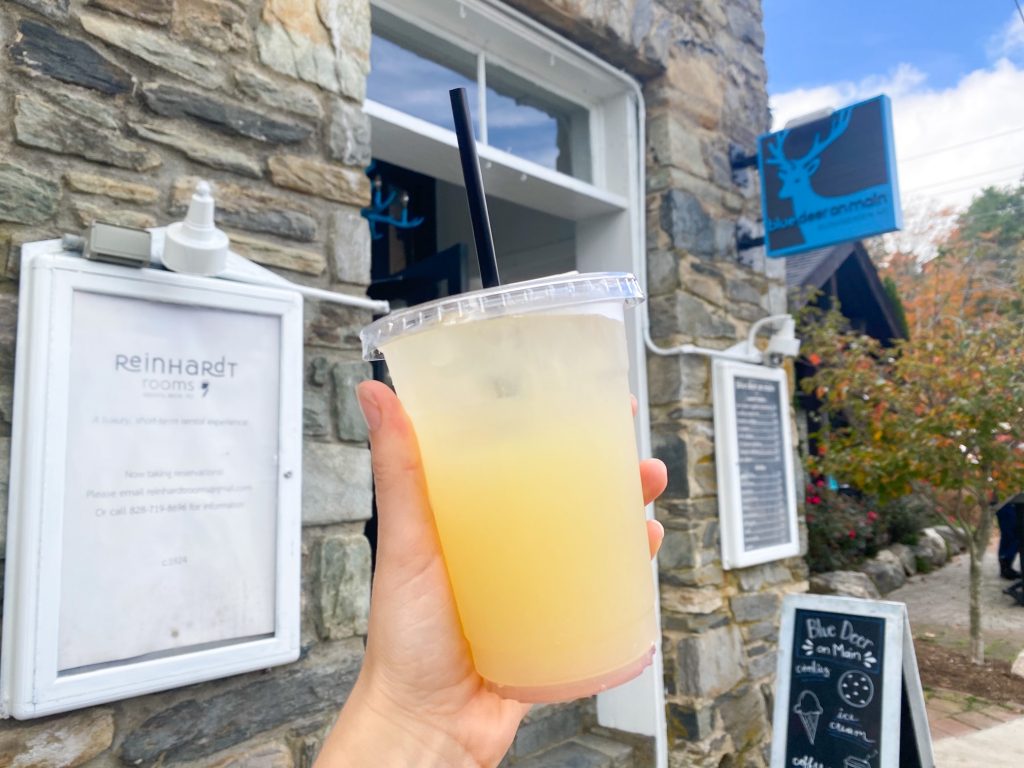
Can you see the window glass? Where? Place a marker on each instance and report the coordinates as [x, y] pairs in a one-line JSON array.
[[414, 74], [535, 125]]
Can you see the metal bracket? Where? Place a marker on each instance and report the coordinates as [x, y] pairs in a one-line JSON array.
[[740, 163], [744, 242], [747, 235], [738, 160]]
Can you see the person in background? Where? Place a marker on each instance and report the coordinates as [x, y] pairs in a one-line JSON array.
[[1009, 537]]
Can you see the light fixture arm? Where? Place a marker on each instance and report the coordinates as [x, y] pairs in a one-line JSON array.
[[788, 329], [783, 344]]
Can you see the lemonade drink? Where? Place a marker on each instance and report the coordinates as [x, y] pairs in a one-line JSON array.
[[528, 447]]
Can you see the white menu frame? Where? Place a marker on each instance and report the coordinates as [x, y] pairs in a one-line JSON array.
[[730, 498], [31, 684]]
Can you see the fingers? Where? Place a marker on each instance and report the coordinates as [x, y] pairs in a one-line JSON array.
[[405, 522], [655, 535], [653, 478]]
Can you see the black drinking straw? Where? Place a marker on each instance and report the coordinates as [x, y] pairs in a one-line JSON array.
[[474, 189]]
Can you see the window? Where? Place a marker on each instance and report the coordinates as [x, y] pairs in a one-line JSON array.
[[411, 71]]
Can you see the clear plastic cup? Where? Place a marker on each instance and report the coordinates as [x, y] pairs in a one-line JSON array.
[[520, 400]]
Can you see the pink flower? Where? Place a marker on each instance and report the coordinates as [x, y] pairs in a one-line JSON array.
[[853, 533], [820, 483], [814, 500], [872, 516]]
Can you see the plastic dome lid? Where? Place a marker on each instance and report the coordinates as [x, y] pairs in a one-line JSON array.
[[546, 293]]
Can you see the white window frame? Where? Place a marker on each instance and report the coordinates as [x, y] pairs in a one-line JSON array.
[[609, 211]]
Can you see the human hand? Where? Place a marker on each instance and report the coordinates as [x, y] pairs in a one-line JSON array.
[[418, 699]]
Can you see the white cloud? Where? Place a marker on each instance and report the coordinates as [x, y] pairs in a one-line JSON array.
[[786, 106], [950, 143], [1009, 41]]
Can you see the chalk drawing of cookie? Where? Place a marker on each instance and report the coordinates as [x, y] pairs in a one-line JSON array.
[[856, 688]]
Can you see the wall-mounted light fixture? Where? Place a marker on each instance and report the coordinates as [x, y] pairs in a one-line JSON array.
[[782, 344]]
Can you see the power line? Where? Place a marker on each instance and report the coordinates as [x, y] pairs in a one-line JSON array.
[[978, 140], [1021, 12], [1002, 169], [993, 183], [963, 215]]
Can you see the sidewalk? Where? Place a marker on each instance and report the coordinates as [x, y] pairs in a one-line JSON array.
[[968, 731], [955, 714], [1001, 746]]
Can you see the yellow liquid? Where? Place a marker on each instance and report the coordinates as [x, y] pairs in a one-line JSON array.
[[527, 439]]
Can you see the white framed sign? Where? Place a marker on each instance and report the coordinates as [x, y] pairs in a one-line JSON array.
[[754, 464], [154, 533]]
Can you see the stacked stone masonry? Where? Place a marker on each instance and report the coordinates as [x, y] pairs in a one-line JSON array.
[[113, 109]]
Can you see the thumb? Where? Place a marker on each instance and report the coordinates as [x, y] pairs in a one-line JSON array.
[[405, 524]]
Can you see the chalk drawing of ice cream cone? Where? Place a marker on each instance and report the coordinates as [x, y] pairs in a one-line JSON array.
[[809, 709]]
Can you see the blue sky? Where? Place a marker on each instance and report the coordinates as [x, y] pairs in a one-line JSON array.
[[810, 42], [953, 68]]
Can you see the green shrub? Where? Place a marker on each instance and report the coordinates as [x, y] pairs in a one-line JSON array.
[[843, 529], [904, 519]]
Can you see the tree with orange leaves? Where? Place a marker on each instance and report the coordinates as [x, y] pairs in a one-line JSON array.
[[977, 270], [940, 414]]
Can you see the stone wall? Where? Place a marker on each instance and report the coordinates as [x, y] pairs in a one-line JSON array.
[[702, 68], [112, 109]]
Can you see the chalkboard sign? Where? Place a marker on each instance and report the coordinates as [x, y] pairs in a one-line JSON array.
[[754, 458], [848, 692]]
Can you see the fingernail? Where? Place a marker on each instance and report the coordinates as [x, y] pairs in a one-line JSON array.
[[369, 407]]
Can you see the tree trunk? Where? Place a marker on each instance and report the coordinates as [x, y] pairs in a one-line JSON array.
[[977, 543], [977, 641]]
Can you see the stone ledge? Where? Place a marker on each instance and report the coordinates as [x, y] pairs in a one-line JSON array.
[[70, 741], [198, 147], [221, 114], [108, 186], [191, 729], [270, 254], [151, 11], [315, 177], [155, 48], [78, 126], [45, 51], [87, 213]]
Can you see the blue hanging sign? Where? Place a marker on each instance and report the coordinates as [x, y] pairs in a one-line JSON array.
[[831, 180]]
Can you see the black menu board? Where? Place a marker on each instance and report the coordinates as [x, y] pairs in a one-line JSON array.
[[761, 456], [835, 702], [849, 695]]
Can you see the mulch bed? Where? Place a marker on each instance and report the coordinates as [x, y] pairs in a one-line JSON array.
[[945, 668]]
